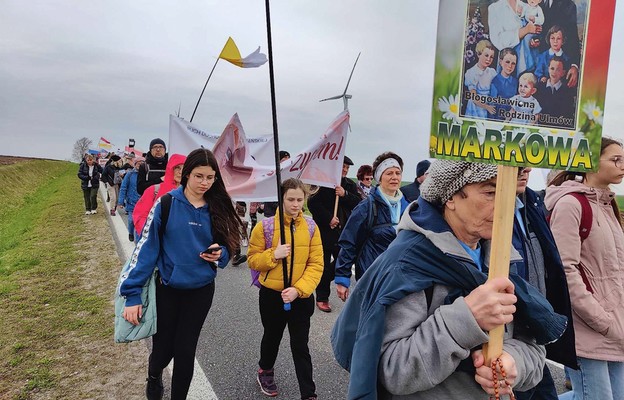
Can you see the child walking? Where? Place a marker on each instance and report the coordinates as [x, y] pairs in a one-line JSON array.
[[304, 254]]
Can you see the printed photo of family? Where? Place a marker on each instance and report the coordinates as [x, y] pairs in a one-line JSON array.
[[522, 61]]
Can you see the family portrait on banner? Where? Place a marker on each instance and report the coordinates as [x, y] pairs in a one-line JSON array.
[[522, 61]]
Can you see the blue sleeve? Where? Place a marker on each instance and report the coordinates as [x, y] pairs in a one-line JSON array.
[[493, 88], [223, 261], [542, 65], [351, 241], [144, 258], [123, 191]]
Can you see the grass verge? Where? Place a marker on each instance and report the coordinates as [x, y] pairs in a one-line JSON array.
[[58, 270]]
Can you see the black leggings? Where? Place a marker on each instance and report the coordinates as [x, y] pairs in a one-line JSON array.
[[181, 315], [274, 321]]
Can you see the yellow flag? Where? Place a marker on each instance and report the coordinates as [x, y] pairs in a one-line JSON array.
[[231, 54]]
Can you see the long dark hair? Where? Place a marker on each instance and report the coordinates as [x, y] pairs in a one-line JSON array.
[[582, 176], [226, 224]]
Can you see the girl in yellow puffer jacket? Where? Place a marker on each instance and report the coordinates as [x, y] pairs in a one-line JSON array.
[[303, 252]]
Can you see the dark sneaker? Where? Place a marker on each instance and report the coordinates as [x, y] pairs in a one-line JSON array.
[[324, 306], [239, 259], [154, 388], [266, 380], [131, 237]]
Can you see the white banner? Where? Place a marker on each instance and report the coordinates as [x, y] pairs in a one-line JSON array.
[[185, 137], [248, 180]]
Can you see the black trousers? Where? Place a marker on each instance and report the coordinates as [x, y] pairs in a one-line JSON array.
[[274, 320], [90, 198], [330, 249], [181, 315]]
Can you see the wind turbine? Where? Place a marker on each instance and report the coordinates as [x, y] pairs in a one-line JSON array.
[[345, 97]]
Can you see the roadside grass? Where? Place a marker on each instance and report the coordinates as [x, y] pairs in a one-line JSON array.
[[55, 299]]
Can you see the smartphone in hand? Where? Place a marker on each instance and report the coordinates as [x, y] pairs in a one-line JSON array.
[[211, 250]]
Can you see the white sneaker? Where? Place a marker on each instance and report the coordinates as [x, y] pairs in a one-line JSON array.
[[93, 211], [87, 212]]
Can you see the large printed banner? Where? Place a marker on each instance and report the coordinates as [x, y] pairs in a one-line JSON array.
[[521, 84], [185, 137], [248, 180]]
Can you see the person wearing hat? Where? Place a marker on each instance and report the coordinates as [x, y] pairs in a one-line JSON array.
[[416, 321], [321, 206], [153, 170], [371, 226], [412, 191]]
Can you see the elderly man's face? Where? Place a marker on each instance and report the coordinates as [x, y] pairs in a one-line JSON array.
[[470, 212], [158, 150], [523, 179], [345, 169]]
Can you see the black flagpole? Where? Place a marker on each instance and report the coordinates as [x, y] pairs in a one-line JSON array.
[[278, 174], [202, 92]]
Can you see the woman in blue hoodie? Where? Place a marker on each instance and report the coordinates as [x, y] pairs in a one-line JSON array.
[[202, 231]]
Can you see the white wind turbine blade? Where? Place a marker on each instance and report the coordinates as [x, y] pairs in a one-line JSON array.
[[333, 98]]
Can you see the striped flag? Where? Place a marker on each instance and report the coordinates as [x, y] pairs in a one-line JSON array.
[[231, 54], [104, 144]]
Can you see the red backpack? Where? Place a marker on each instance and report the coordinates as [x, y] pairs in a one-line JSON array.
[[587, 217]]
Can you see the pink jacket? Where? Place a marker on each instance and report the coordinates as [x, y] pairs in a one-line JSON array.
[[149, 197], [598, 316]]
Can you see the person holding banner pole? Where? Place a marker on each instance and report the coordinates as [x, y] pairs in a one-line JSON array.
[[331, 209], [302, 249], [414, 325]]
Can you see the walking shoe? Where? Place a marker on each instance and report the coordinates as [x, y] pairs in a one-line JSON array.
[[131, 237], [93, 211], [324, 306], [239, 259], [154, 388], [266, 380], [87, 212]]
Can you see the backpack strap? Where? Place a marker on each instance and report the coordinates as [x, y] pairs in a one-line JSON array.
[[268, 228], [311, 225], [586, 215], [165, 207]]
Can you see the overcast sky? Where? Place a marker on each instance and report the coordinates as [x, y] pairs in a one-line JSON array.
[[117, 69]]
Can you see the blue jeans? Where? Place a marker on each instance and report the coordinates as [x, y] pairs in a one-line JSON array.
[[130, 223], [596, 379]]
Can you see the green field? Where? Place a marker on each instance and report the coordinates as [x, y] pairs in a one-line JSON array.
[[55, 301]]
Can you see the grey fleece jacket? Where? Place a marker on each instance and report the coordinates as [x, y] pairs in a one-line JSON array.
[[422, 347]]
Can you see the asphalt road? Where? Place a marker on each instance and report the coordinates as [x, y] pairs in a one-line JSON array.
[[229, 346]]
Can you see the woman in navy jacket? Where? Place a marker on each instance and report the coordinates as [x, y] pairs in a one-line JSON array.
[[371, 226]]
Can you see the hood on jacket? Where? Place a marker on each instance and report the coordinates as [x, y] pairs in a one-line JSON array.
[[168, 180], [555, 193]]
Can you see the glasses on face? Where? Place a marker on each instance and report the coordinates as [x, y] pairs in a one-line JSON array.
[[200, 178], [158, 147], [617, 160]]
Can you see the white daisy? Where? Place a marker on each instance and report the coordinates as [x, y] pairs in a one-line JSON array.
[[450, 108], [594, 113]]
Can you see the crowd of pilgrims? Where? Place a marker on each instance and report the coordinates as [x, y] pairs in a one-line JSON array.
[[414, 325]]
